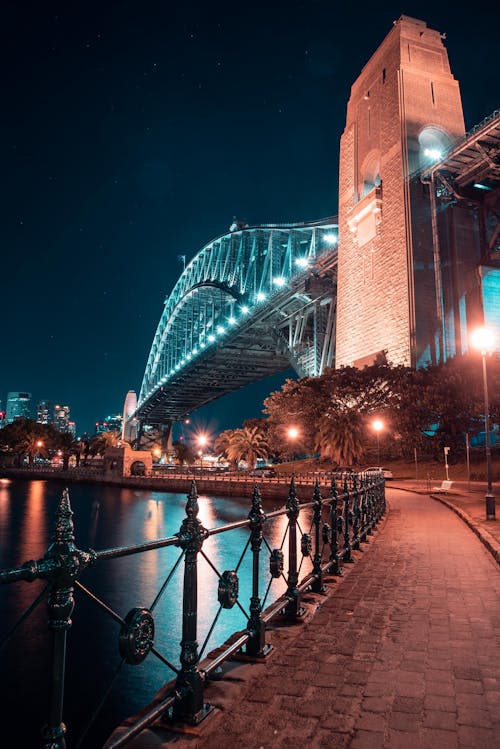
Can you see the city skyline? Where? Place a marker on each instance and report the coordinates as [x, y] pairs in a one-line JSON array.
[[132, 139]]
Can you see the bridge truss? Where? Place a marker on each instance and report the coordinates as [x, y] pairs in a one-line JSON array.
[[251, 303]]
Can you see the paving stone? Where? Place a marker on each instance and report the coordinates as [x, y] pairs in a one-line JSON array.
[[440, 688], [468, 717], [402, 740], [368, 740], [468, 686], [438, 702], [408, 704], [434, 738], [369, 721], [472, 736], [439, 719], [404, 721], [376, 704]]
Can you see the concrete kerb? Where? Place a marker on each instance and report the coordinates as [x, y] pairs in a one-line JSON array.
[[486, 538], [490, 543]]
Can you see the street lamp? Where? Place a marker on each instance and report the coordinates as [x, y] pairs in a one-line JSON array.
[[484, 340], [39, 444], [202, 440], [293, 433], [377, 427]]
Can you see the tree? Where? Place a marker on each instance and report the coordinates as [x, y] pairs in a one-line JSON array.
[[68, 446], [103, 441], [248, 444], [184, 453], [222, 443], [340, 436], [26, 437]]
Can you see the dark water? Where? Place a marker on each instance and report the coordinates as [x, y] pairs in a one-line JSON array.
[[106, 517]]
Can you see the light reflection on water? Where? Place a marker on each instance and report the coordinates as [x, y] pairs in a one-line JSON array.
[[107, 517]]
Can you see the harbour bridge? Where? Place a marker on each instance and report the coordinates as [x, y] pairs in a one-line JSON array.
[[251, 303]]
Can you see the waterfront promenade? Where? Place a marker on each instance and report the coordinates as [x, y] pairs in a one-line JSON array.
[[402, 653]]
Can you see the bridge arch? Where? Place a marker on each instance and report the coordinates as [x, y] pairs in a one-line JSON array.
[[241, 288]]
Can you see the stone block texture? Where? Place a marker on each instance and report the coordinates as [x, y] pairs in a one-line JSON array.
[[404, 106]]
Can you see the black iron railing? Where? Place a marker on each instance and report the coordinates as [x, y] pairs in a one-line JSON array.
[[338, 525]]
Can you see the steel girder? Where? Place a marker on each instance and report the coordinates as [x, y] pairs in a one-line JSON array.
[[250, 304]]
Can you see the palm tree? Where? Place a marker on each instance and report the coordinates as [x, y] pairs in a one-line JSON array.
[[248, 444], [340, 436], [222, 443], [25, 437], [68, 445], [184, 453], [103, 441]]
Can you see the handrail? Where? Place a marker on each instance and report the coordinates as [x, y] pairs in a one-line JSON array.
[[353, 513]]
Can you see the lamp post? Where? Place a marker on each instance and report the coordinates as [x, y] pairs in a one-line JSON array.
[[293, 433], [377, 426], [39, 444], [202, 440], [484, 340]]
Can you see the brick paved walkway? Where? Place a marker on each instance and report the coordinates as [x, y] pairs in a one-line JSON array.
[[404, 655]]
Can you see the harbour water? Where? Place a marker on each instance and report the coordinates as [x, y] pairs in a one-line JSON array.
[[106, 517]]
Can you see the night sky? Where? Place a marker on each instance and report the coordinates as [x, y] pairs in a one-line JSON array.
[[133, 132]]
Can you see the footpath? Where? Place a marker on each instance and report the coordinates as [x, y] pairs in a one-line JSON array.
[[403, 652]]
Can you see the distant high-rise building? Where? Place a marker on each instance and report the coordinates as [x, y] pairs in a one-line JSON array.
[[43, 412], [109, 424], [130, 426], [61, 418], [18, 406], [72, 428]]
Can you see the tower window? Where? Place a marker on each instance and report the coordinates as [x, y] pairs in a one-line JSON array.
[[432, 93], [383, 75]]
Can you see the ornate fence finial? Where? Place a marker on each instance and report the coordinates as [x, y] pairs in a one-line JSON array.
[[256, 514], [63, 536], [192, 503], [292, 502]]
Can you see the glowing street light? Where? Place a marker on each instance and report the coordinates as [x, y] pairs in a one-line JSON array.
[[330, 238], [202, 441], [483, 340], [293, 434], [39, 444], [377, 426]]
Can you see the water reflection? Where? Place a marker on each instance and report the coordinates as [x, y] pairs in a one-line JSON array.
[[107, 517]]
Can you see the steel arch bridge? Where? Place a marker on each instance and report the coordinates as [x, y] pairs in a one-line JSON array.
[[251, 303]]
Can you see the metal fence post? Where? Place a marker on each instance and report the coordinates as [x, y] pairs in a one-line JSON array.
[[317, 585], [66, 561], [364, 489], [292, 608], [355, 514], [256, 645], [347, 556], [190, 707], [336, 528]]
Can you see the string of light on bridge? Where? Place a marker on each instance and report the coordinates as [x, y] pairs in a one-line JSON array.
[[209, 336]]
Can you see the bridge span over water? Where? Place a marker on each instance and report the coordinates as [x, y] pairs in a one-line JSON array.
[[251, 303]]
